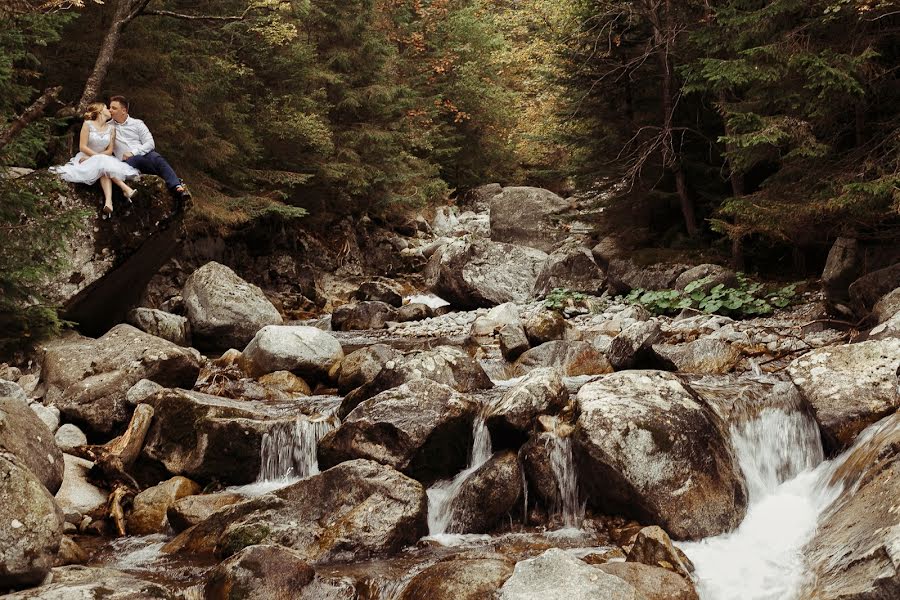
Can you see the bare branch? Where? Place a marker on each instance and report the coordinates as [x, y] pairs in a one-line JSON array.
[[31, 113]]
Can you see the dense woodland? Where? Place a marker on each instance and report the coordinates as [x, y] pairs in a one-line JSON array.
[[756, 128]]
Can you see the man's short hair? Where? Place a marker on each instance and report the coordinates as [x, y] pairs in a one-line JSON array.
[[120, 99]]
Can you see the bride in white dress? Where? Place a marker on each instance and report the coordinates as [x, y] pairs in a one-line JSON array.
[[95, 160]]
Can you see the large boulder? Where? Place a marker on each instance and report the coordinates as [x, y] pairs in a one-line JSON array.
[[78, 582], [379, 291], [307, 351], [632, 342], [540, 392], [447, 365], [866, 291], [527, 216], [167, 326], [647, 447], [715, 273], [148, 513], [654, 583], [841, 268], [208, 437], [356, 509], [421, 428], [701, 356], [24, 435], [474, 273], [487, 495], [370, 314], [31, 527], [88, 379], [571, 267], [624, 275], [558, 575], [78, 496], [224, 310], [853, 553], [849, 387], [569, 358], [363, 365], [652, 546], [547, 326], [887, 306], [190, 510], [264, 571], [459, 579]]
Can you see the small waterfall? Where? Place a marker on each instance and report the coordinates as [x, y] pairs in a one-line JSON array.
[[563, 465], [289, 450], [790, 488], [442, 493]]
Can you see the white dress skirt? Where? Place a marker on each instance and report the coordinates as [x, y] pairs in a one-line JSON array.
[[98, 165]]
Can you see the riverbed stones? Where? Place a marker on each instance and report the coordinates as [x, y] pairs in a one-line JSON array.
[[307, 351], [24, 435], [49, 415], [31, 526], [77, 496], [527, 216], [224, 310], [287, 382], [414, 311], [421, 428], [557, 575], [10, 389], [190, 510], [632, 343], [652, 546], [167, 326], [653, 583], [547, 326], [854, 552], [459, 579], [353, 510], [470, 273], [717, 274], [887, 306], [148, 513], [569, 358], [849, 387], [208, 437], [379, 291], [540, 392], [513, 341], [570, 267], [88, 379], [704, 356], [263, 571], [624, 275], [647, 447], [95, 583], [866, 291], [487, 495], [68, 436], [362, 315], [361, 366]]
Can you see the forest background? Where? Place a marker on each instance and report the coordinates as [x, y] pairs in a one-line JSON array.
[[757, 129]]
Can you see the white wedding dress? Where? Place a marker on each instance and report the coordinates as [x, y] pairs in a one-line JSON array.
[[97, 165]]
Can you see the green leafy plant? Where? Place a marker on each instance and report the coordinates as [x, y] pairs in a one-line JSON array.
[[559, 299], [748, 299]]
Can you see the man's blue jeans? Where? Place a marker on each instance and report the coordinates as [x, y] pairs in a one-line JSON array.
[[154, 164]]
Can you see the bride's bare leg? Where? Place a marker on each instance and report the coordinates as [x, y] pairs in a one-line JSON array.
[[106, 185], [126, 189]]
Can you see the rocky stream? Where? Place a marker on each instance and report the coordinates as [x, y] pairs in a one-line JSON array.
[[432, 430]]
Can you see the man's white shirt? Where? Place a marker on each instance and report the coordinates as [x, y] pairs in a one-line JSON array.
[[132, 135]]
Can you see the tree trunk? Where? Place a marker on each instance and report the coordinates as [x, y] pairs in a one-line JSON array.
[[126, 11], [31, 113]]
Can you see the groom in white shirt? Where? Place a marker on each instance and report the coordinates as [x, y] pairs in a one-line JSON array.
[[135, 146]]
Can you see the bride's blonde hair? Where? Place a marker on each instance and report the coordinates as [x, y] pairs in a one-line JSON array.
[[93, 111]]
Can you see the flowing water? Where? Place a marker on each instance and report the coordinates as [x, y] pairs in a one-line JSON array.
[[790, 488], [569, 507]]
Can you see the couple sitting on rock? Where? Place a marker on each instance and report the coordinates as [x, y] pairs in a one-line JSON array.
[[115, 147]]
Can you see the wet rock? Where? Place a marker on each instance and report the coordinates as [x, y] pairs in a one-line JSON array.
[[853, 553], [31, 526], [378, 291], [421, 428], [88, 379], [474, 273], [447, 365], [49, 415], [224, 310], [77, 496], [540, 392], [264, 571], [866, 291], [24, 435], [361, 366], [849, 386], [547, 326], [717, 275], [538, 470], [635, 340], [70, 553], [68, 436], [190, 510], [363, 315], [414, 311], [573, 268], [887, 307], [702, 356], [164, 325], [569, 358], [356, 509], [286, 382], [652, 546], [527, 216], [148, 513], [513, 341], [624, 275], [654, 583], [487, 495], [307, 351], [646, 447], [208, 437], [459, 579], [557, 575], [95, 583]]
